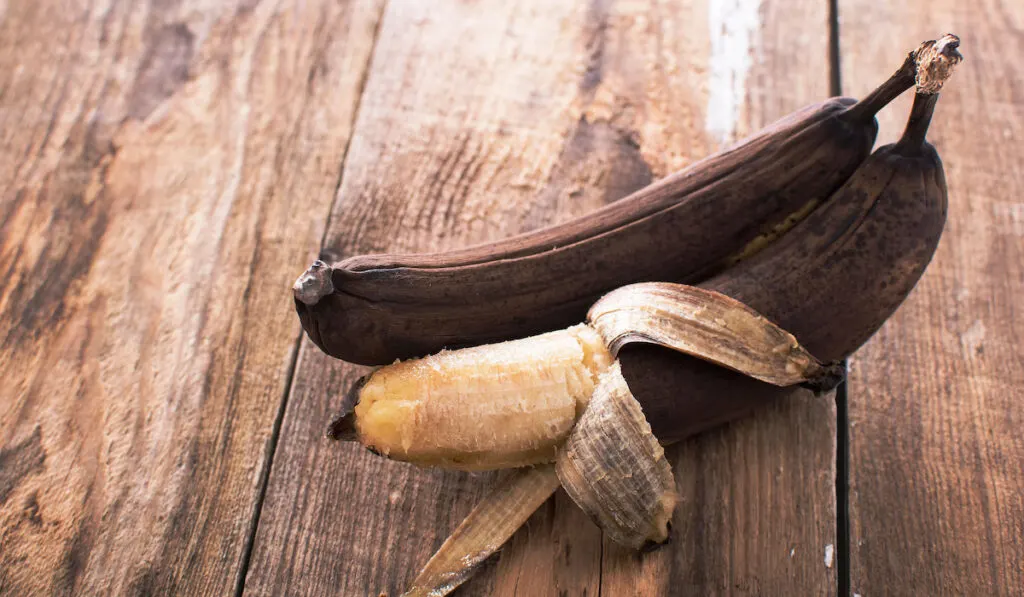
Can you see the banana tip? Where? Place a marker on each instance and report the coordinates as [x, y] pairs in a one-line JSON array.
[[342, 428], [314, 284], [832, 374]]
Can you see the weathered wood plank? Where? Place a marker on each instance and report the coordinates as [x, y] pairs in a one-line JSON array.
[[481, 120], [757, 509], [164, 168], [756, 514], [472, 127], [937, 484]]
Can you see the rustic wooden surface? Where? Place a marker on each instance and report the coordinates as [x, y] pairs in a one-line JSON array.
[[168, 168], [936, 450], [165, 169]]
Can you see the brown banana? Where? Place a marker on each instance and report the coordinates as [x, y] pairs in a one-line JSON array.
[[832, 282], [373, 309]]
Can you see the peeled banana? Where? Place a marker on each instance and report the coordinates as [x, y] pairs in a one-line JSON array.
[[485, 407], [514, 403], [588, 407], [561, 397]]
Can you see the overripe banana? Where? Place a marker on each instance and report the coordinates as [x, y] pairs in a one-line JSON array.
[[373, 309], [514, 403], [607, 459], [686, 358], [832, 282]]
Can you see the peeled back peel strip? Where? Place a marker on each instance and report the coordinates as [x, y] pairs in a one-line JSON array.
[[508, 505], [711, 326], [615, 470]]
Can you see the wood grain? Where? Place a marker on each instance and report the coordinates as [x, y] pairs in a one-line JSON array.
[[756, 514], [164, 168], [482, 120], [757, 509], [937, 485]]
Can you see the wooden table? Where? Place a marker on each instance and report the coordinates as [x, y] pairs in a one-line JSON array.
[[168, 168]]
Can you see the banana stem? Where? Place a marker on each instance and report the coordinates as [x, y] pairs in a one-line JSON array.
[[935, 62], [927, 67], [900, 81], [920, 118]]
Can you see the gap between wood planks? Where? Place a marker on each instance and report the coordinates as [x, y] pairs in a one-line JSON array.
[[275, 433], [841, 396]]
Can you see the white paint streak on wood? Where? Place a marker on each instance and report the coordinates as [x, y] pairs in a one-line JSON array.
[[1009, 217], [734, 27], [973, 338]]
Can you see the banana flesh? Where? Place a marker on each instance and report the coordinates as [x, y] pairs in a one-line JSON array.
[[615, 470], [488, 407]]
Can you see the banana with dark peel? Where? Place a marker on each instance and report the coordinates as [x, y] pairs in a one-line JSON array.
[[374, 309], [831, 283]]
